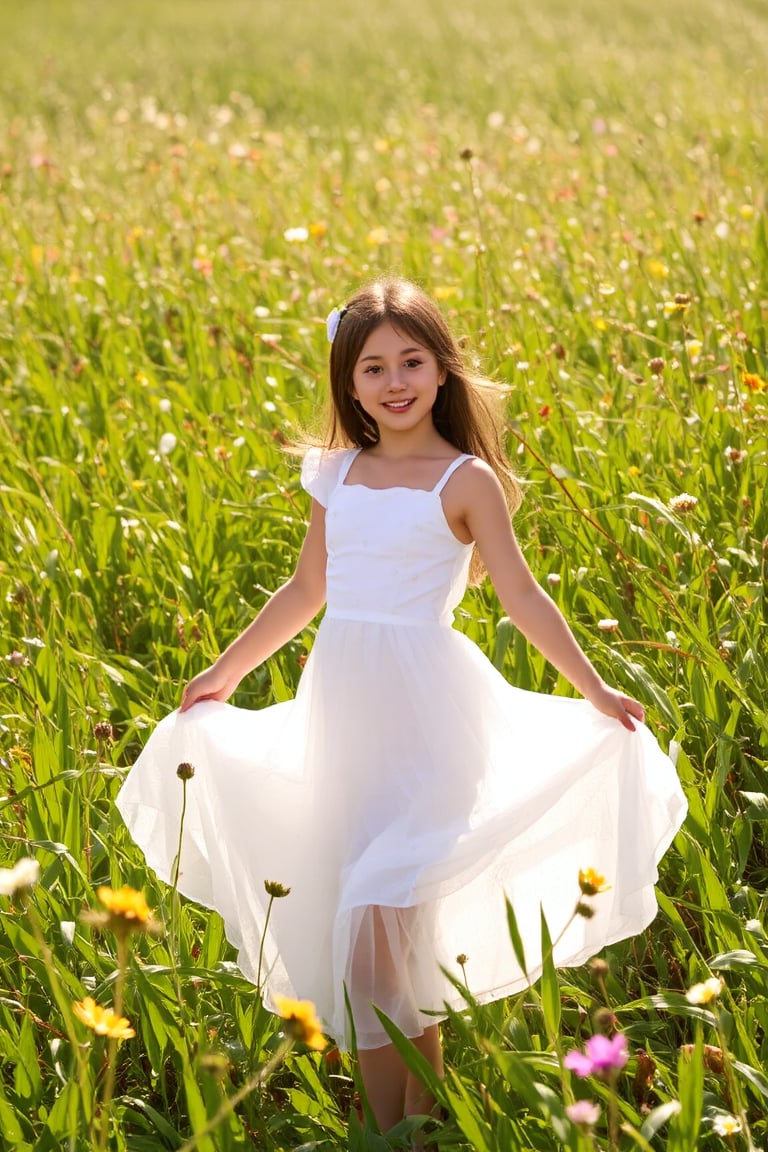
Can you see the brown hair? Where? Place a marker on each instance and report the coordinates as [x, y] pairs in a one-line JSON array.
[[463, 412]]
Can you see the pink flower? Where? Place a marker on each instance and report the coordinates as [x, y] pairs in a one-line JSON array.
[[601, 1057], [583, 1112]]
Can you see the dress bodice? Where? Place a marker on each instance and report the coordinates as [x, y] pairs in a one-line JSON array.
[[391, 553]]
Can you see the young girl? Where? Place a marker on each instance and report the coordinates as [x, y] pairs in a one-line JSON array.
[[408, 787]]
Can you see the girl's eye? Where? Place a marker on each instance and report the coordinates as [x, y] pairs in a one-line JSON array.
[[372, 369], [413, 363]]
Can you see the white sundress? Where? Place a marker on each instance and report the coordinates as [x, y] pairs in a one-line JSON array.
[[403, 792]]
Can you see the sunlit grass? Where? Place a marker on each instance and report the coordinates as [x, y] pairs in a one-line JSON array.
[[185, 192]]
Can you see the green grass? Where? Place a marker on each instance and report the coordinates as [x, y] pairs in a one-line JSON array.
[[151, 161]]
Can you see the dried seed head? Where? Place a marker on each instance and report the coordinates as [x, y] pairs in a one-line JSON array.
[[275, 889], [185, 770]]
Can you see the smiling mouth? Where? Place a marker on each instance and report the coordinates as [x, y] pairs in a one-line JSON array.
[[398, 405]]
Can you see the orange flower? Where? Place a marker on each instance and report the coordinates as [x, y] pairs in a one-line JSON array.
[[753, 382]]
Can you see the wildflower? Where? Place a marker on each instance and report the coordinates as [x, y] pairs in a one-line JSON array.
[[683, 503], [693, 349], [706, 992], [753, 382], [24, 874], [466, 154], [296, 235], [16, 659], [167, 443], [591, 882], [608, 625], [276, 890], [553, 578], [102, 1021], [601, 1057], [378, 236], [185, 770], [656, 365], [658, 269], [126, 912], [301, 1021], [585, 1113], [462, 959], [677, 305], [103, 731], [726, 1125], [585, 910], [735, 455]]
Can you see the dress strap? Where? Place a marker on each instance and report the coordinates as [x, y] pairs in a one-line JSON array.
[[352, 455], [449, 472]]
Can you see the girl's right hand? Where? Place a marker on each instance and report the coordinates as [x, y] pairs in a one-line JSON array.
[[216, 683]]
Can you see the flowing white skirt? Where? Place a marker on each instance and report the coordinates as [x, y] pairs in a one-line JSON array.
[[400, 796]]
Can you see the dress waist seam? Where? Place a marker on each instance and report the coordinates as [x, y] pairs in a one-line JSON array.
[[388, 618]]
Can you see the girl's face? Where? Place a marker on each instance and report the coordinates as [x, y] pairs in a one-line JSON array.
[[396, 379]]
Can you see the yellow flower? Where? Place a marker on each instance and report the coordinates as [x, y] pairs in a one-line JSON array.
[[706, 992], [125, 902], [753, 382], [378, 236], [102, 1021], [591, 882], [301, 1021], [126, 912], [658, 269]]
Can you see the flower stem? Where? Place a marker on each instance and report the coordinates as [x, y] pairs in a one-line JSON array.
[[263, 938], [175, 913], [232, 1102], [109, 1082]]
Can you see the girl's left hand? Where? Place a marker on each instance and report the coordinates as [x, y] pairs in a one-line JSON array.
[[612, 703]]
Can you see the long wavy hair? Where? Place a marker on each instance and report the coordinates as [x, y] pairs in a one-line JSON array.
[[466, 407]]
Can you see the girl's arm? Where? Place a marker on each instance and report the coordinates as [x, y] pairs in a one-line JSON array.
[[284, 615], [528, 606]]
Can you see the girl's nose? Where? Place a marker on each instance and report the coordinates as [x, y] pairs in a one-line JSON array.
[[396, 384]]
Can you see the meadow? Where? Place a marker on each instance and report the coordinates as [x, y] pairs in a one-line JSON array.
[[185, 192]]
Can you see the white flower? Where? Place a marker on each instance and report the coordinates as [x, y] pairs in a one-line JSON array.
[[167, 443], [296, 235], [726, 1125], [24, 874], [683, 503], [164, 404], [703, 993], [607, 625]]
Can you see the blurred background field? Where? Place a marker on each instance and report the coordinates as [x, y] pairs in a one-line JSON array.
[[185, 192]]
